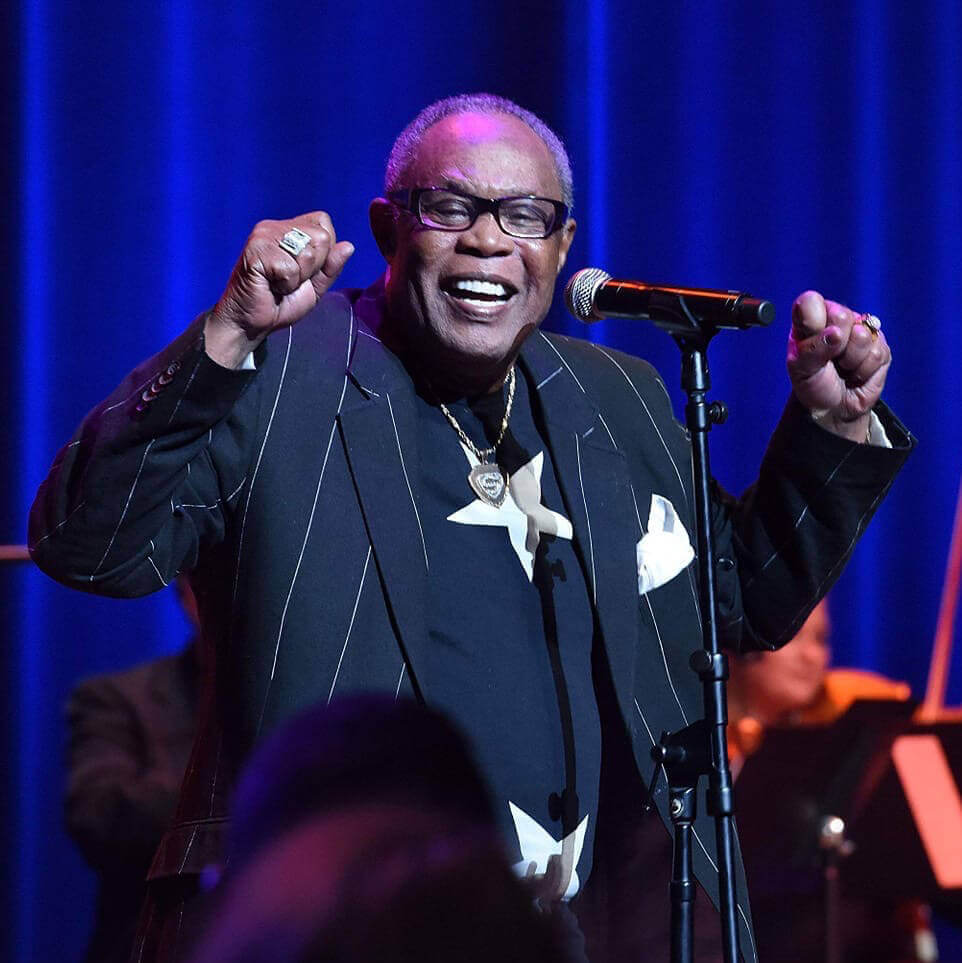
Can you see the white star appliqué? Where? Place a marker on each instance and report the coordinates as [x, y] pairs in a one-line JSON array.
[[521, 512], [539, 847]]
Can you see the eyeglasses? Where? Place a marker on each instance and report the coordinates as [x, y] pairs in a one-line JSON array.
[[447, 210]]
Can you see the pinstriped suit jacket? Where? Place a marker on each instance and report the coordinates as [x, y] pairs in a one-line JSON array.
[[291, 494]]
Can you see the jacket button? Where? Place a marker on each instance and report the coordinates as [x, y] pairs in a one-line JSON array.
[[173, 368]]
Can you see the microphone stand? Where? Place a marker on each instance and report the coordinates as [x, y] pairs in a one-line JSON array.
[[701, 748]]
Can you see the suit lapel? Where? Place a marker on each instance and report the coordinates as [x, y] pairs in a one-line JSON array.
[[593, 476], [379, 426], [378, 423]]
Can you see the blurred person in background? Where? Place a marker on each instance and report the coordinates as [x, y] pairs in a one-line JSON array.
[[129, 736], [795, 686]]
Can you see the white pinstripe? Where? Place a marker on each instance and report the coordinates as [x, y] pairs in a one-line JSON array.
[[397, 691], [180, 922], [798, 521], [561, 358], [123, 514], [63, 457], [317, 492], [647, 600], [654, 621], [544, 381], [138, 390], [661, 437], [634, 501], [213, 785], [607, 429], [664, 658], [157, 571], [691, 582], [257, 464], [58, 526], [631, 487], [645, 723], [154, 567], [183, 394], [219, 500], [408, 483], [350, 627], [591, 550], [741, 912], [859, 528], [187, 849], [300, 557]]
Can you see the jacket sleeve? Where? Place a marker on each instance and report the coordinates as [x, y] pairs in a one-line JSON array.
[[792, 532], [149, 477]]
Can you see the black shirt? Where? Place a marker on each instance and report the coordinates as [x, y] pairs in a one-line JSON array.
[[512, 626]]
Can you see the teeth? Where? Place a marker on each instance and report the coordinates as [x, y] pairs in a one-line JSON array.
[[490, 288]]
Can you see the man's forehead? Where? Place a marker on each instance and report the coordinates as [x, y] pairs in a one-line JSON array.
[[476, 127], [468, 146]]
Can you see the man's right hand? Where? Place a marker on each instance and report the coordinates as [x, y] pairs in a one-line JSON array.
[[271, 288]]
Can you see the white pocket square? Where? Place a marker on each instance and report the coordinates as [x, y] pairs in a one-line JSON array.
[[665, 549]]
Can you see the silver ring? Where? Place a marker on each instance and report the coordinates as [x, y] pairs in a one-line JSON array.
[[871, 322], [294, 241]]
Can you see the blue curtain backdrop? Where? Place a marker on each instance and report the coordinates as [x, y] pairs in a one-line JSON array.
[[765, 146]]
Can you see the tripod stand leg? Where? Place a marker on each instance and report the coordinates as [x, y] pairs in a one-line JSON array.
[[682, 803]]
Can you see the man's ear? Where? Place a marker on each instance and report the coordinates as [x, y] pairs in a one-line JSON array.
[[567, 236], [383, 215]]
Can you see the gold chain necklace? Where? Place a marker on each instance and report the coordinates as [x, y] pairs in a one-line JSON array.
[[487, 479]]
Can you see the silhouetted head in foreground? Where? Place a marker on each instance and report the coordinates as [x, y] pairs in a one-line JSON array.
[[382, 883], [364, 749]]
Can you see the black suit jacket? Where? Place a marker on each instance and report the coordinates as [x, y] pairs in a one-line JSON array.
[[291, 494]]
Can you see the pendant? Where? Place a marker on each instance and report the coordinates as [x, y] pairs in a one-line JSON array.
[[489, 484]]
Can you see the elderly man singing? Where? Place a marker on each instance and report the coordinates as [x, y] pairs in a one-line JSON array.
[[411, 488]]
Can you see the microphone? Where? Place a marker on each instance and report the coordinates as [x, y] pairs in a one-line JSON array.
[[593, 294]]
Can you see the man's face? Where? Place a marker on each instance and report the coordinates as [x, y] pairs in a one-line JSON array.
[[469, 336], [790, 678]]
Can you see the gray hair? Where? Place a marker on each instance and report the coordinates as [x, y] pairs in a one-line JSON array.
[[406, 145]]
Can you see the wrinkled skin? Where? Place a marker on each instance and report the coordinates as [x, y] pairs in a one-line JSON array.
[[467, 345]]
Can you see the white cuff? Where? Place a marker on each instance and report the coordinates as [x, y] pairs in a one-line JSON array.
[[876, 432]]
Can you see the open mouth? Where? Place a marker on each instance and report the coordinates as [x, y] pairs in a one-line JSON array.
[[478, 291]]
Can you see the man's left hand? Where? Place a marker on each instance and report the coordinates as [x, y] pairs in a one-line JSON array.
[[836, 363]]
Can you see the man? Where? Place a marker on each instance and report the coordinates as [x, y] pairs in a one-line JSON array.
[[412, 489], [794, 687], [129, 736]]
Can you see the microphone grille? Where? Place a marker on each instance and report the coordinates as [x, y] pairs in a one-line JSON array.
[[580, 292]]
